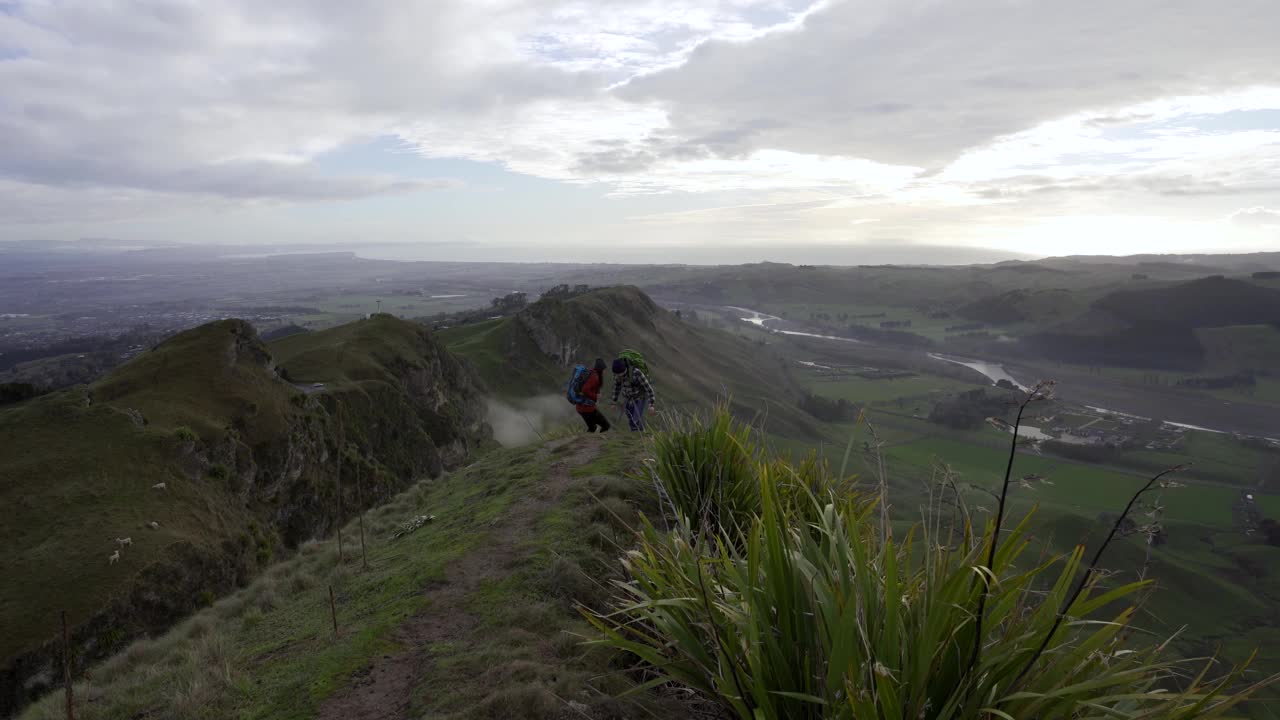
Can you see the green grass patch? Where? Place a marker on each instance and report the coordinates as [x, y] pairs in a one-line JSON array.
[[276, 656], [909, 394], [283, 659]]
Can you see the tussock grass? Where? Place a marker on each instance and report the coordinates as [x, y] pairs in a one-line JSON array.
[[775, 598], [183, 671]]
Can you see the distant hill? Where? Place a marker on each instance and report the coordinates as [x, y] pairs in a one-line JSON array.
[[247, 459], [283, 331], [1206, 302], [1021, 305], [692, 366], [921, 287], [1237, 262], [59, 371], [1157, 326]]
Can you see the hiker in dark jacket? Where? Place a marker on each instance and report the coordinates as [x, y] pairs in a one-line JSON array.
[[630, 383], [589, 410]]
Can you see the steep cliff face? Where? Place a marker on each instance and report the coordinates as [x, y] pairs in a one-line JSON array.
[[251, 463], [400, 402]]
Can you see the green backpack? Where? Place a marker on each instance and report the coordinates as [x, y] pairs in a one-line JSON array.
[[636, 360]]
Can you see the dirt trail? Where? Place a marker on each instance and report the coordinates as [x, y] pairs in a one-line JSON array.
[[383, 689]]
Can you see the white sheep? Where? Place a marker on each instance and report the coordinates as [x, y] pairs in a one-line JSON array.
[[122, 542], [159, 486], [113, 558], [153, 525]]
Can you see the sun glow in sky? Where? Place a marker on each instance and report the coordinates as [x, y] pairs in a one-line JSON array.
[[645, 130]]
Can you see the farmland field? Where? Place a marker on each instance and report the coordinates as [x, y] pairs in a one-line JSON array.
[[909, 390], [341, 308]]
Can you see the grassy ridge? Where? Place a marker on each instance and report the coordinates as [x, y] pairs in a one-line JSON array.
[[249, 464], [206, 379], [691, 366], [268, 651]]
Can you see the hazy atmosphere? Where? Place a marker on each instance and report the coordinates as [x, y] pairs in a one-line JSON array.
[[715, 131]]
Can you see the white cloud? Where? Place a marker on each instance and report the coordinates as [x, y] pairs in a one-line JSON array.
[[916, 82], [824, 119], [233, 99], [1256, 217]]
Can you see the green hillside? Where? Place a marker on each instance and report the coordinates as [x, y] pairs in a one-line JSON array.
[[471, 616], [1236, 348], [249, 467], [691, 366], [1156, 326], [476, 612]]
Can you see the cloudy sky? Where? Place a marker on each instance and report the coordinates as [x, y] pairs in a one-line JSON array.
[[702, 130]]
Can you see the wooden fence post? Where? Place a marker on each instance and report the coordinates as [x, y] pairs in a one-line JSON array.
[[66, 668], [364, 555], [333, 611], [342, 443]]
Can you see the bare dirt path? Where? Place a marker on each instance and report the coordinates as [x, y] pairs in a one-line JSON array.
[[383, 689]]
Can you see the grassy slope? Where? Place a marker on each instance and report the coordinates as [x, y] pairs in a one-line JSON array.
[[86, 474], [202, 378], [1239, 347], [350, 353], [691, 366], [86, 471], [268, 651], [508, 360], [917, 391]]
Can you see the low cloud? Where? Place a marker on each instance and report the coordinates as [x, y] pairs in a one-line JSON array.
[[1256, 217], [525, 421]]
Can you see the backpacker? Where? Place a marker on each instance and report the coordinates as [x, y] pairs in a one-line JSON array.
[[574, 393], [635, 359]]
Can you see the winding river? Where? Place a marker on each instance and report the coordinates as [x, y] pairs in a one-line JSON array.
[[992, 371]]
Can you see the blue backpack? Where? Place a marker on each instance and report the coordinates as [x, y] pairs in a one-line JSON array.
[[574, 393]]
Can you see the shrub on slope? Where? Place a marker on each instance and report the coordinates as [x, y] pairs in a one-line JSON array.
[[820, 612]]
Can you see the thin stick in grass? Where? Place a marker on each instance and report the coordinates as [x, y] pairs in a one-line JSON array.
[[333, 612], [364, 554], [848, 448], [342, 444], [66, 668], [886, 530], [534, 429], [1040, 391], [1089, 572]]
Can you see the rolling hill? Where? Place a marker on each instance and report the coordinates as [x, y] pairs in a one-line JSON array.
[[1156, 326], [692, 366], [248, 463]]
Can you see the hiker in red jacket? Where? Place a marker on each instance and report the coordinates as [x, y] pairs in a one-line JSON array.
[[591, 414]]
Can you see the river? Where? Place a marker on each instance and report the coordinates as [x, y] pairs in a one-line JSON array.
[[992, 371], [759, 319]]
